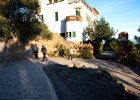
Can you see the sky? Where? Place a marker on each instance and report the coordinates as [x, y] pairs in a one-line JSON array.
[[122, 15]]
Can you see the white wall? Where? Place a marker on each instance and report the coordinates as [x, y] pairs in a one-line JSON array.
[[76, 26], [64, 9]]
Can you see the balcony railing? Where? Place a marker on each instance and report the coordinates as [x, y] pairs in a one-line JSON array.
[[73, 18]]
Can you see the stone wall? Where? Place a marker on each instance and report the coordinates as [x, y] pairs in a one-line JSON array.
[[13, 49]]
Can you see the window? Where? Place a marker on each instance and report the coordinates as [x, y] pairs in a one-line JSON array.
[[88, 18], [77, 12], [62, 34], [71, 34], [41, 18], [56, 16]]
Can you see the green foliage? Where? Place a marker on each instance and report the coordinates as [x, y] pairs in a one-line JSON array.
[[135, 48], [62, 50], [130, 43], [18, 19], [139, 29], [137, 38], [106, 74], [99, 31], [134, 55], [5, 29], [86, 53], [111, 45], [103, 69], [45, 33], [99, 46]]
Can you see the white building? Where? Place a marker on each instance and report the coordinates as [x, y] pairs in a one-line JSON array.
[[69, 18]]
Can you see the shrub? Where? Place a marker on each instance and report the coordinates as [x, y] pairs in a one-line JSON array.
[[134, 55], [86, 53], [111, 44], [100, 47], [62, 50]]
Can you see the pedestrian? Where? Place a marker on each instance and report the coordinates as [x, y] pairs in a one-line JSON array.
[[44, 51], [71, 53], [36, 52]]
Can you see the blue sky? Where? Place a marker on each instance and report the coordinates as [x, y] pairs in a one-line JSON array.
[[123, 15]]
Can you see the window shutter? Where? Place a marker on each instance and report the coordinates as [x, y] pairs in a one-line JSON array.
[[56, 16], [77, 13], [86, 17], [73, 34], [69, 34], [42, 18]]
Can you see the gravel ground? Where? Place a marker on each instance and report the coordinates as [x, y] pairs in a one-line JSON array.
[[85, 84]]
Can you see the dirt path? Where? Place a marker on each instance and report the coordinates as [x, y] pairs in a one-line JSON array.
[[128, 75]]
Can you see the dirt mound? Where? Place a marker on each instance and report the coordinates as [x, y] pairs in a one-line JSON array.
[[85, 84]]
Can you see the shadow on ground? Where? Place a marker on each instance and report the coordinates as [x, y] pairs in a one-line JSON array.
[[85, 84]]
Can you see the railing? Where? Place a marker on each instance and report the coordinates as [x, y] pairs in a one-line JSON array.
[[73, 18]]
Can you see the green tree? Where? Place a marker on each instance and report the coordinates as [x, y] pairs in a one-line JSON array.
[[139, 29], [98, 31], [18, 19], [137, 38], [111, 45]]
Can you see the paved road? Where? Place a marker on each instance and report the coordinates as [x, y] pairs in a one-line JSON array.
[[24, 80]]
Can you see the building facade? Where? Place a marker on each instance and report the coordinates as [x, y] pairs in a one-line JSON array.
[[69, 18]]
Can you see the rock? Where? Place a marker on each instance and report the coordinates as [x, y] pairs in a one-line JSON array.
[[70, 65], [79, 66]]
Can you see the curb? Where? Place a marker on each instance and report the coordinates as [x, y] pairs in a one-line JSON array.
[[52, 91]]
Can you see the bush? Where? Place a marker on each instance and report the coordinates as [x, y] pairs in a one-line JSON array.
[[86, 53], [62, 50], [134, 55], [100, 47], [107, 47], [111, 45], [130, 43]]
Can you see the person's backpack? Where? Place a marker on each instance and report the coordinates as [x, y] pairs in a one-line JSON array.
[[45, 50], [36, 50]]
